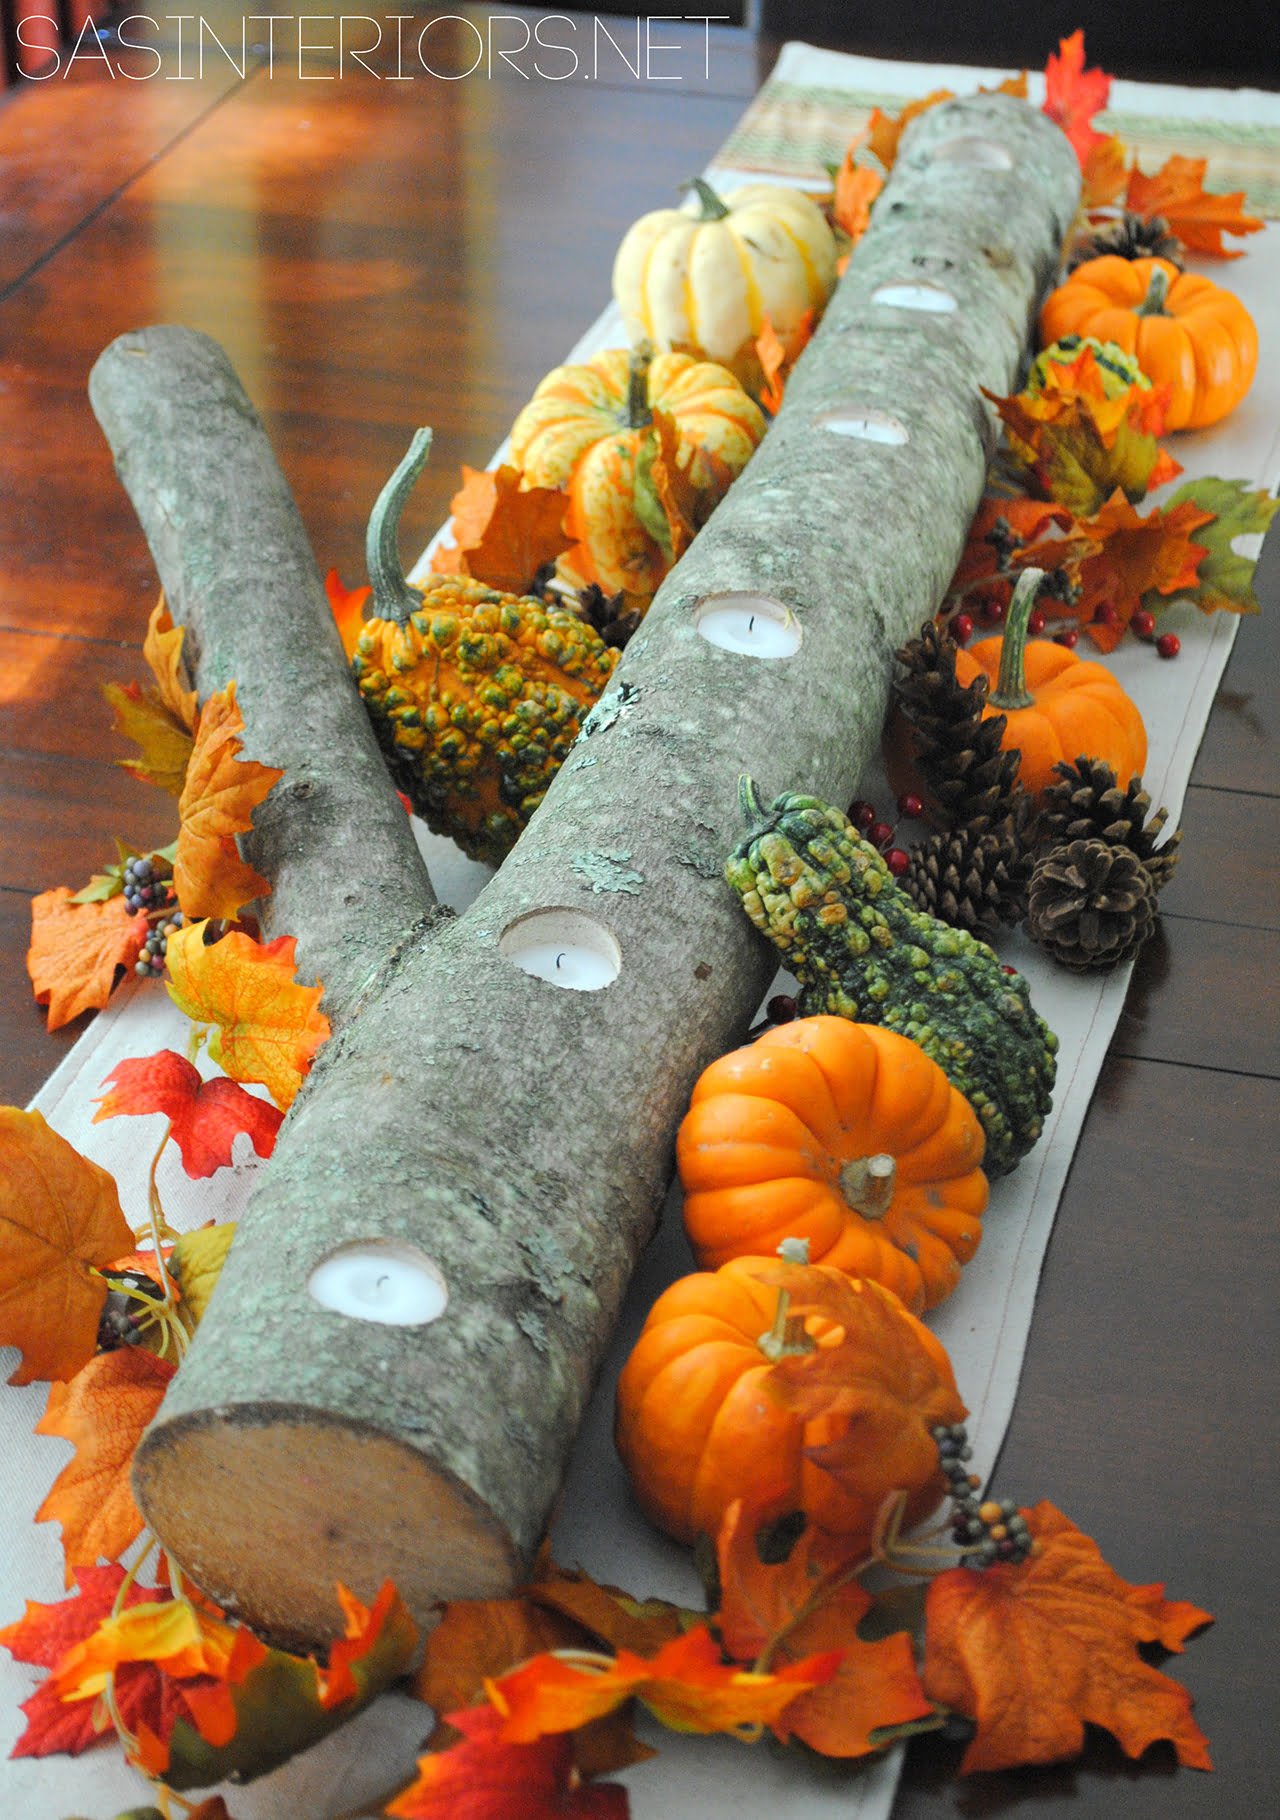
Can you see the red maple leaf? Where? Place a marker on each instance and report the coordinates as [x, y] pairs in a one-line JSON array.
[[205, 1116], [483, 1778], [1073, 94]]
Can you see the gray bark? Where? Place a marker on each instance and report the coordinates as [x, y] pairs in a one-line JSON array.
[[519, 1134]]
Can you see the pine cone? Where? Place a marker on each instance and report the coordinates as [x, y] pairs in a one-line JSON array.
[[607, 613], [971, 778], [974, 882], [1090, 904], [1088, 804], [1131, 237]]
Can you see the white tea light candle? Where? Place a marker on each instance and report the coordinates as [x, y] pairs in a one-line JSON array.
[[751, 624], [909, 295], [563, 947], [380, 1280], [863, 424]]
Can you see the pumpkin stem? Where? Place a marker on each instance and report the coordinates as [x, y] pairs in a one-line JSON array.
[[711, 208], [639, 416], [787, 1338], [867, 1183], [751, 802], [393, 598], [1011, 689], [1157, 291]]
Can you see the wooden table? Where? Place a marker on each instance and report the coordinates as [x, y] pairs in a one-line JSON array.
[[376, 255]]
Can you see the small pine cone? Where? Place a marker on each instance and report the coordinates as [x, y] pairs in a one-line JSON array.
[[969, 775], [1090, 905], [1088, 804], [972, 882], [1131, 237], [607, 613]]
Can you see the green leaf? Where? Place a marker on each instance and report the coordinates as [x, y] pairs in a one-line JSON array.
[[1225, 579], [197, 1262], [111, 882]]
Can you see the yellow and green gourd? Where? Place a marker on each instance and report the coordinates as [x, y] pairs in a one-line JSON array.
[[475, 695], [860, 949]]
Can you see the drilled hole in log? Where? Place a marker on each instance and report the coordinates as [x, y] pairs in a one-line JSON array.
[[863, 425], [380, 1280], [972, 149], [751, 624], [563, 947], [913, 295]]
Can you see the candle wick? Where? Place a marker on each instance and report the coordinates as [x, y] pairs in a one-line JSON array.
[[559, 958], [751, 623], [381, 1280]]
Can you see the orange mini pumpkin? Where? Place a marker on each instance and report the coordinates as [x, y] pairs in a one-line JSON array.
[[847, 1135], [698, 1423], [1059, 707], [1185, 331]]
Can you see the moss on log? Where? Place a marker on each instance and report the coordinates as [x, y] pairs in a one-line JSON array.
[[518, 1134]]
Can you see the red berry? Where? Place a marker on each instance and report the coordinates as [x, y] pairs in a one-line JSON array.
[[1036, 622], [1106, 615], [962, 628], [880, 834], [1142, 625], [897, 861], [1168, 644], [1004, 968], [910, 805], [862, 814], [781, 1008], [1070, 638], [993, 611]]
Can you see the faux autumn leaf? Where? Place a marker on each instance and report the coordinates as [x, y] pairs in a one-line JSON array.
[[1032, 1652], [777, 357], [111, 882], [504, 533], [606, 1613], [266, 1026], [981, 569], [486, 1778], [1073, 94], [102, 1412], [789, 1609], [1224, 580], [45, 1633], [76, 950], [685, 1685], [885, 130], [60, 1220], [1104, 172], [164, 743], [217, 802], [857, 187], [347, 606], [248, 1725], [174, 1635], [1197, 217], [162, 648], [205, 1117], [195, 1264], [1140, 557]]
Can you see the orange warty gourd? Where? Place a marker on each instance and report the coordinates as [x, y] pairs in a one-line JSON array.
[[1059, 707], [698, 1425], [847, 1135], [589, 429], [1184, 331]]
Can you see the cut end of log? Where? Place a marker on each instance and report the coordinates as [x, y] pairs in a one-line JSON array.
[[268, 1513]]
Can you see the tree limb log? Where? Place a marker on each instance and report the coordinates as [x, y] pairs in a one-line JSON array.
[[518, 1134]]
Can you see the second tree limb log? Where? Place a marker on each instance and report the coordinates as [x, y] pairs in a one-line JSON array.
[[518, 1134]]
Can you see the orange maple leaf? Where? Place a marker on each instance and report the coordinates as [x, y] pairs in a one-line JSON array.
[[790, 1609], [76, 950], [687, 1686], [347, 606], [363, 1628], [1073, 94], [165, 744], [485, 1778], [885, 130], [1197, 216], [177, 1635], [162, 649], [504, 532], [1031, 1652], [1104, 172], [60, 1223], [857, 187], [1139, 556], [102, 1412], [266, 1026], [776, 359], [217, 802]]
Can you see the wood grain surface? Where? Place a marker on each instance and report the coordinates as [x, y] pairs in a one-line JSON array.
[[377, 255]]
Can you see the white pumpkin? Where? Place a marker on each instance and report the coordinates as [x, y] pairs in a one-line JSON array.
[[701, 279]]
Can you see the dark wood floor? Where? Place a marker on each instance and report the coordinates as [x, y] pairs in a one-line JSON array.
[[376, 255]]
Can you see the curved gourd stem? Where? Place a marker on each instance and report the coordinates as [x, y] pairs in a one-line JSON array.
[[639, 415], [868, 1182], [1011, 689], [393, 598], [750, 801], [710, 206], [1157, 293]]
